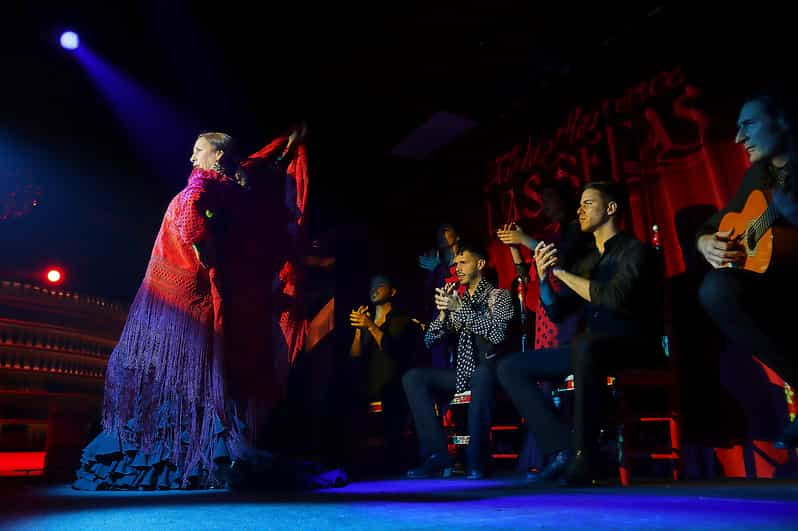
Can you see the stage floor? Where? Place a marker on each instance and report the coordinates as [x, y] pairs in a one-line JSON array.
[[419, 504]]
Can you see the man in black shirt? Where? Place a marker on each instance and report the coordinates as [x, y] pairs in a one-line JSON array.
[[614, 286], [387, 342], [746, 304]]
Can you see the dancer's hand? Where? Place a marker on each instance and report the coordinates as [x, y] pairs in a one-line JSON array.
[[205, 256], [298, 133]]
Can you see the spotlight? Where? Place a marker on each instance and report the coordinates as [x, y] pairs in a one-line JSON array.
[[54, 276], [70, 40]]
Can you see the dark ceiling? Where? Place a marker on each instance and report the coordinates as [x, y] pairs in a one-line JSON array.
[[380, 69], [370, 73]]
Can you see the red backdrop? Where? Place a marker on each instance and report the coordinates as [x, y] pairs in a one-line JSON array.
[[657, 137]]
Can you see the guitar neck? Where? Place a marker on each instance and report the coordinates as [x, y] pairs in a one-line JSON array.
[[763, 222]]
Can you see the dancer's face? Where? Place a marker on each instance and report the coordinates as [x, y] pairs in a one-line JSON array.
[[205, 155]]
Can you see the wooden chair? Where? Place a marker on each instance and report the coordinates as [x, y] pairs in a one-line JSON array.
[[630, 420], [455, 424]]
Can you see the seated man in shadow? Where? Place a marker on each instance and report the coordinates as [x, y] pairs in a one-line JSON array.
[[387, 341], [614, 287], [439, 269]]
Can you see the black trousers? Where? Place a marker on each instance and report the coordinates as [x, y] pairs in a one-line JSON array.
[[589, 358], [756, 312], [353, 424], [394, 413], [422, 386]]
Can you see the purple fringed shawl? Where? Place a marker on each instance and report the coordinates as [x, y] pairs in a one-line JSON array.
[[164, 388]]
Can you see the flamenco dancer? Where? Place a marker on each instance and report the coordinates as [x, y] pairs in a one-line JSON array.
[[196, 368]]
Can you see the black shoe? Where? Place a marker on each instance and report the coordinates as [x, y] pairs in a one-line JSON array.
[[553, 470], [789, 437], [436, 465], [582, 471]]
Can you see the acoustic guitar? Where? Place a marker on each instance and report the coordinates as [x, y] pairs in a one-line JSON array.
[[765, 246]]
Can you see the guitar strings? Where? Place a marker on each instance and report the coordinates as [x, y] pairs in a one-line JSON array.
[[763, 222]]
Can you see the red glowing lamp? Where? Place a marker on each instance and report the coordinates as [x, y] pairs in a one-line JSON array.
[[54, 275]]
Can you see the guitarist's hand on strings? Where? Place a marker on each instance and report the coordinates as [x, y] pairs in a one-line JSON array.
[[721, 249]]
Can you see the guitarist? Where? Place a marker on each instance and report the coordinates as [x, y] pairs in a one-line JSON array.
[[743, 303]]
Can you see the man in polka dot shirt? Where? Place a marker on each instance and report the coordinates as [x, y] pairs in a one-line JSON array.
[[479, 318]]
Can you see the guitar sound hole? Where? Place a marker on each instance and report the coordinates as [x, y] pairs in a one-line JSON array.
[[750, 240]]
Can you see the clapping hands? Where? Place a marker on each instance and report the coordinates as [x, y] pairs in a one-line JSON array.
[[360, 318], [447, 299]]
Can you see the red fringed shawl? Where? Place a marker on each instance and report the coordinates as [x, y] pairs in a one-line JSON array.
[[293, 324]]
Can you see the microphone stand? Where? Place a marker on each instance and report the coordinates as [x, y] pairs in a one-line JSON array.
[[521, 292]]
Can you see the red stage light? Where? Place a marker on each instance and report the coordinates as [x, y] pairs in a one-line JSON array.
[[54, 276]]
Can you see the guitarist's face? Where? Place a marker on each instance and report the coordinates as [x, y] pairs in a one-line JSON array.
[[761, 134]]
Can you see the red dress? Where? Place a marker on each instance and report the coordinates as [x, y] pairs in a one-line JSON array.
[[165, 420]]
